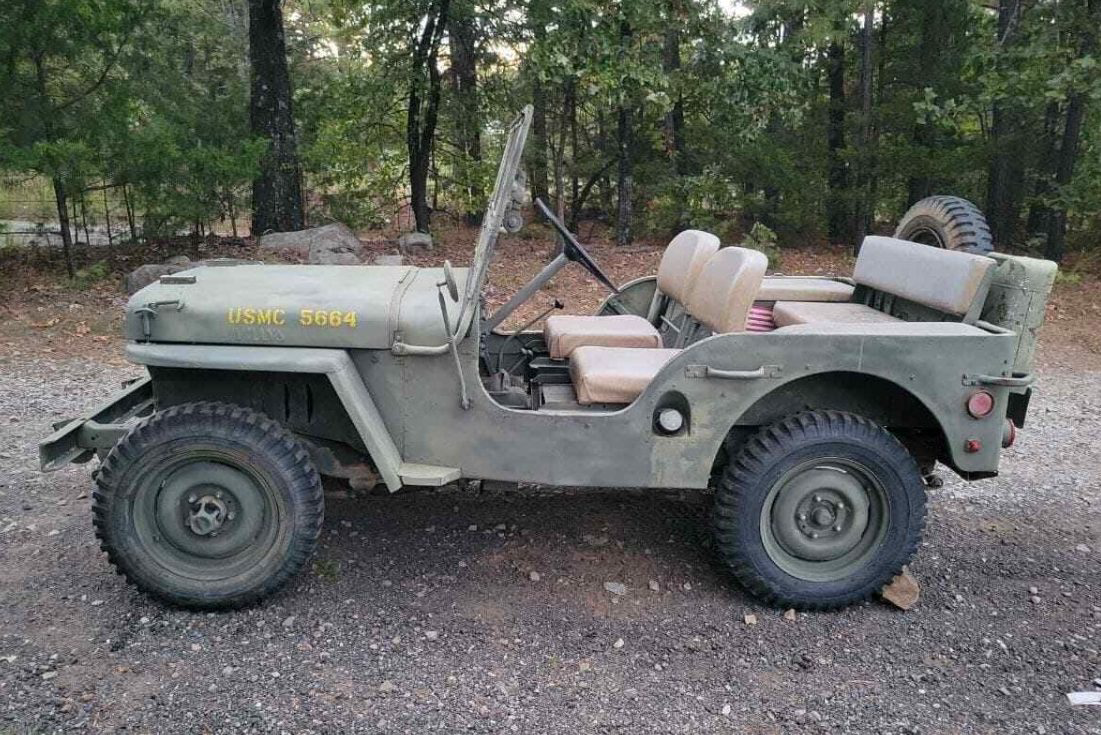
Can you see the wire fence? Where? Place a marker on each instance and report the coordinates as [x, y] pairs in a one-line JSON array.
[[99, 215]]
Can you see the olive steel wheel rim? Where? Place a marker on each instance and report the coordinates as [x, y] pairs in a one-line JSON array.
[[926, 236], [208, 516], [825, 519]]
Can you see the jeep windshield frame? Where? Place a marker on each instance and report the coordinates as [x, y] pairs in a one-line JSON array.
[[499, 203]]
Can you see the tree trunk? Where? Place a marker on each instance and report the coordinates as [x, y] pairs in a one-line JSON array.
[[837, 201], [623, 179], [276, 191], [63, 221], [1038, 210], [920, 184], [575, 180], [865, 207], [623, 139], [674, 118], [873, 132], [464, 80], [84, 220], [1064, 171], [107, 219], [129, 213], [1072, 132], [1005, 175], [538, 16], [74, 221], [422, 109], [538, 148]]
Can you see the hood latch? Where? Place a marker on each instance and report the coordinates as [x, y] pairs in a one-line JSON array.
[[148, 313]]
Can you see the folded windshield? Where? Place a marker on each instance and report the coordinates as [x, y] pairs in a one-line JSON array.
[[499, 203]]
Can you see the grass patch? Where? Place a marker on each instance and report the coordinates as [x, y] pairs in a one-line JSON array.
[[327, 569]]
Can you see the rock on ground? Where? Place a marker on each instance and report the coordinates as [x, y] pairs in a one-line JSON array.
[[143, 275], [333, 244], [415, 242]]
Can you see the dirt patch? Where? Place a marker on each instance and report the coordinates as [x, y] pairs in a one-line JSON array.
[[1071, 335]]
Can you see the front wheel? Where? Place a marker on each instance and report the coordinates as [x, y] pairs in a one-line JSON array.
[[208, 506], [819, 510]]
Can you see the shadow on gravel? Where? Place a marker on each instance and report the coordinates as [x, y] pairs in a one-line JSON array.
[[503, 545]]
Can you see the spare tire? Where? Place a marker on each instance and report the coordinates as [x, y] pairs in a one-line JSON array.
[[952, 223]]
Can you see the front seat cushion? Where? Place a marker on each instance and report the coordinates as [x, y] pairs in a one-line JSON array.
[[564, 333], [615, 375]]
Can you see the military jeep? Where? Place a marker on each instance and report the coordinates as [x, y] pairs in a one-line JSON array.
[[815, 408]]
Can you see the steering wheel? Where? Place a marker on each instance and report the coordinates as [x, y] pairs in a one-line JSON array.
[[573, 250]]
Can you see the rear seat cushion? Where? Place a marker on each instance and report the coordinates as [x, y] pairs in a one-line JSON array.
[[946, 280], [889, 329], [786, 313], [804, 289], [564, 332], [684, 258], [615, 375]]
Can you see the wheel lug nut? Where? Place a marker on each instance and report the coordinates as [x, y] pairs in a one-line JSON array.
[[219, 494], [192, 499], [230, 516], [818, 498], [814, 534], [837, 528], [802, 516]]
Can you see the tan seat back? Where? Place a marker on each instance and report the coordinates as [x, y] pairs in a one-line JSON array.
[[682, 262], [726, 288], [946, 280]]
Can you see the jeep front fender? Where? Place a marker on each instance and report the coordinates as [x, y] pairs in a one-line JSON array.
[[334, 364]]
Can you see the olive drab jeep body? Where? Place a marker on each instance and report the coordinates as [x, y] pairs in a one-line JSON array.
[[815, 408]]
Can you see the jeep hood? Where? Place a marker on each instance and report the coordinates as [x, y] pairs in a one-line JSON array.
[[365, 307]]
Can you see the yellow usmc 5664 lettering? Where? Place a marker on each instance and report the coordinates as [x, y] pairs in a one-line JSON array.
[[333, 318], [246, 316], [322, 318]]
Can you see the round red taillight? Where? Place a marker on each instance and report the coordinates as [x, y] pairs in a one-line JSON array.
[[980, 404]]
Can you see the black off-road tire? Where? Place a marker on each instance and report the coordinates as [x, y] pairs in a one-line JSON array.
[[265, 506], [947, 222], [794, 455]]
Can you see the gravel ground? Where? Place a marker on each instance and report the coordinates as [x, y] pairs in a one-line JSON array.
[[487, 611]]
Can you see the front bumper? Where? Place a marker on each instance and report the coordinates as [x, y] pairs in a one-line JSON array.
[[76, 440]]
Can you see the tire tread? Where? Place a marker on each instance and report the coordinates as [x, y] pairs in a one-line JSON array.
[[248, 426], [758, 454], [963, 224]]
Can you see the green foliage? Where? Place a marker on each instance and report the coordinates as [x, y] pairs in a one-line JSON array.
[[761, 238], [90, 275], [729, 113]]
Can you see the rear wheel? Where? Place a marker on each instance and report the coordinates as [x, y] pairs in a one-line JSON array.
[[208, 506], [819, 511], [952, 223]]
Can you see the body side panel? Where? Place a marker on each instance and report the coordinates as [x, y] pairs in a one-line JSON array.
[[621, 449]]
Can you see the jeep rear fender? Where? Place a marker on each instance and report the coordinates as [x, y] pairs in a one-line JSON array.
[[334, 364], [730, 378]]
